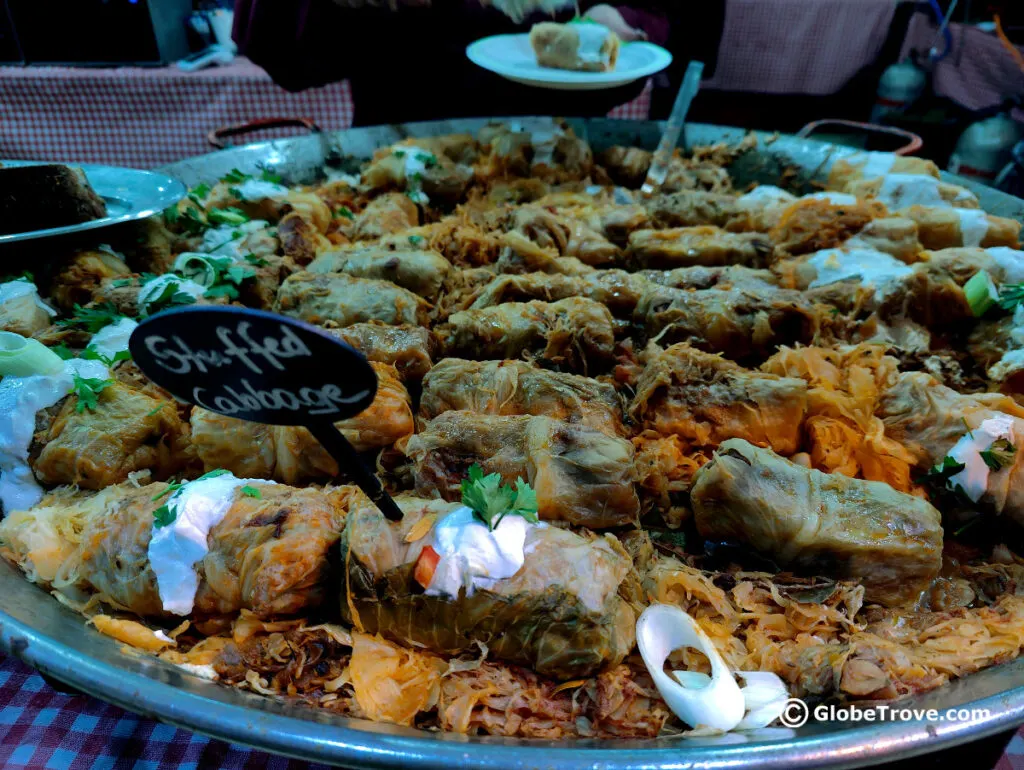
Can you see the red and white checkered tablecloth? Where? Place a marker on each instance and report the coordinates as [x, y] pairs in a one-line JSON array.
[[808, 47], [146, 117], [978, 72]]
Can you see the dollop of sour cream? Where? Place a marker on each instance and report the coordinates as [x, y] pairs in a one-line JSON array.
[[22, 287], [835, 198], [973, 479], [20, 399], [153, 288], [873, 164], [230, 240], [416, 161], [113, 338], [592, 39], [716, 701], [1010, 260], [175, 549], [260, 189], [870, 267], [767, 194], [474, 556], [973, 226]]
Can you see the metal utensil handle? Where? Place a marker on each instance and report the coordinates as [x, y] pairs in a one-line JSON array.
[[348, 459], [663, 155], [913, 144], [218, 136]]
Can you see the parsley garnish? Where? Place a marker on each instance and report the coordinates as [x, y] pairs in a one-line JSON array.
[[192, 221], [999, 455], [252, 259], [92, 355], [234, 176], [169, 297], [63, 351], [154, 411], [253, 492], [88, 390], [399, 153], [227, 216], [94, 318], [270, 176], [1011, 295], [236, 193], [942, 472], [120, 283], [491, 500], [199, 193], [415, 240], [344, 211], [166, 513]]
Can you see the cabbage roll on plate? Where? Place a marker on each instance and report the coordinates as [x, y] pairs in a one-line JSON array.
[[321, 297], [689, 246], [420, 271]]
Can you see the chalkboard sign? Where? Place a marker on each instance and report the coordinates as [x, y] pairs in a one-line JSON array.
[[253, 365], [264, 368]]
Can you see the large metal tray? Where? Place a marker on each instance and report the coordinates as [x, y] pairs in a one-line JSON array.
[[55, 640]]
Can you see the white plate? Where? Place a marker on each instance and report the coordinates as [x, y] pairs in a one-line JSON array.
[[129, 193], [512, 57]]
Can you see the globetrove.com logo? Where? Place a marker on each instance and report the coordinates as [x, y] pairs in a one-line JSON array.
[[797, 713]]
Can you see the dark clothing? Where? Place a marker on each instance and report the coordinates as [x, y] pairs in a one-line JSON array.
[[411, 64]]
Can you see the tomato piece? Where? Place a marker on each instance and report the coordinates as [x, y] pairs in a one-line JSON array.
[[425, 566]]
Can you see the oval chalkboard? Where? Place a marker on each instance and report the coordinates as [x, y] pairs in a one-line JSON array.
[[253, 365]]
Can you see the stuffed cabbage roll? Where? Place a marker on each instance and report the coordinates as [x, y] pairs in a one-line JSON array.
[[289, 453], [726, 277], [126, 431], [900, 191], [573, 333], [896, 236], [22, 310], [707, 399], [384, 215], [929, 419], [813, 224], [421, 272], [737, 323], [269, 554], [423, 174], [691, 208], [870, 165], [688, 246], [946, 228], [818, 522], [300, 238], [560, 615], [318, 298], [78, 279], [617, 290], [627, 166], [516, 387], [407, 348], [580, 475]]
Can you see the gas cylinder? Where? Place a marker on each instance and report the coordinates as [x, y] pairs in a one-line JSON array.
[[900, 86], [986, 146]]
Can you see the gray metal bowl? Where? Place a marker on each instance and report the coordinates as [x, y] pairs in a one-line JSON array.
[[45, 634]]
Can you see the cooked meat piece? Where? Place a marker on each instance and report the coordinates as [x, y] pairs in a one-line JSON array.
[[317, 298], [78, 279], [706, 399], [127, 431], [408, 348], [290, 453], [946, 228], [690, 246], [421, 272], [820, 523], [574, 333], [560, 614], [737, 323], [516, 387], [269, 554], [580, 475]]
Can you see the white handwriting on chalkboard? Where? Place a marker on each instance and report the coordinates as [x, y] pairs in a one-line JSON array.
[[177, 357], [323, 400]]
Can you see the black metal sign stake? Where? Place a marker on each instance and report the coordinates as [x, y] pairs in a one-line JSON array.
[[264, 368]]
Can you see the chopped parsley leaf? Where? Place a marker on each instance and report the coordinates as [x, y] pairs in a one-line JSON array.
[[94, 318], [88, 390], [253, 492]]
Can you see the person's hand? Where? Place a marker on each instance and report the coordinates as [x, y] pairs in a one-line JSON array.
[[611, 18]]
